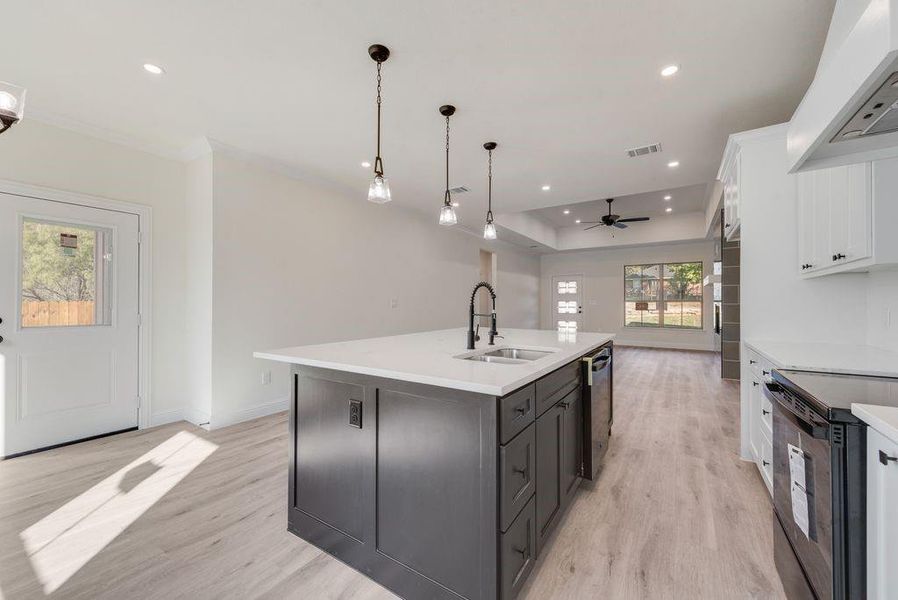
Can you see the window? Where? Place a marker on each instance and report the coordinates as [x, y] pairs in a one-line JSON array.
[[66, 275], [663, 295]]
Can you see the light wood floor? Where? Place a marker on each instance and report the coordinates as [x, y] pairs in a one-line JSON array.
[[675, 513]]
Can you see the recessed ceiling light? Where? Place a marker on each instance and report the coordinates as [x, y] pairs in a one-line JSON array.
[[668, 209], [670, 70], [546, 188], [667, 197], [154, 69], [674, 163], [456, 204], [567, 212], [366, 164], [577, 221]]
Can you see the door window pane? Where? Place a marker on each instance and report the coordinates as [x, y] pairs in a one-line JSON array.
[[66, 275], [683, 295]]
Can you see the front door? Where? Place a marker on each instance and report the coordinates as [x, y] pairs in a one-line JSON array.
[[567, 308], [69, 310]]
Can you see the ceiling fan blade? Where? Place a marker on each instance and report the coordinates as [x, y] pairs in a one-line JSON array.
[[620, 225], [633, 219], [593, 227], [589, 222]]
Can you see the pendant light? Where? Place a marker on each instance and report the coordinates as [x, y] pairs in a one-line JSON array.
[[12, 105], [379, 190], [489, 230], [447, 212]]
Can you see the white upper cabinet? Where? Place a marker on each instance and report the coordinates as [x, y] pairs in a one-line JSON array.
[[846, 218], [730, 178]]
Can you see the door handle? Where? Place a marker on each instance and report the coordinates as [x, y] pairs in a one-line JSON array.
[[886, 459]]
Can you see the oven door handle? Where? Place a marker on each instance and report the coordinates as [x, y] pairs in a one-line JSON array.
[[816, 428]]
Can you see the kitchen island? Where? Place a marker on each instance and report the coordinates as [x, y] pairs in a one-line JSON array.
[[438, 471]]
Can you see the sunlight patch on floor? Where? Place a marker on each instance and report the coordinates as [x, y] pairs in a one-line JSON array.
[[64, 541]]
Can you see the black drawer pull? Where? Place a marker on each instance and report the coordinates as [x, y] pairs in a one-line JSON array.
[[751, 361], [765, 373], [522, 551], [522, 408], [755, 383], [765, 412], [521, 470], [766, 463], [886, 459]]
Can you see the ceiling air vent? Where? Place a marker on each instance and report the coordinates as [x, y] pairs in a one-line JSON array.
[[459, 190], [643, 150]]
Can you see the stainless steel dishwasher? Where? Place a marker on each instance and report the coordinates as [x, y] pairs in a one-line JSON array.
[[598, 409]]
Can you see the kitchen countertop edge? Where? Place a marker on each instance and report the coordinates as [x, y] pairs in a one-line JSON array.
[[883, 419]]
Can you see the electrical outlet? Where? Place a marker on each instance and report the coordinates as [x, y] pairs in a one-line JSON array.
[[394, 302], [355, 413], [266, 377]]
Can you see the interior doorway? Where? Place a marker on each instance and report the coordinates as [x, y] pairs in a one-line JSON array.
[[69, 320]]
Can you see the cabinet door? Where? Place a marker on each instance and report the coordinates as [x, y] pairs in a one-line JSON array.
[[882, 518], [850, 202], [807, 257], [549, 435], [571, 445], [754, 420], [821, 192]]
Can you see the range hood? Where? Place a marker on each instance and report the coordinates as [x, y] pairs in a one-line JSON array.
[[850, 112]]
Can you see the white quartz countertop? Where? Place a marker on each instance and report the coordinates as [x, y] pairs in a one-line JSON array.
[[829, 358], [429, 357], [883, 419]]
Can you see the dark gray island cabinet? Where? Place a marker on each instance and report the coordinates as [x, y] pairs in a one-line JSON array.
[[434, 492]]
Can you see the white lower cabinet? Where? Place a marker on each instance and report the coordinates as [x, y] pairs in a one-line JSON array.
[[882, 517], [760, 416]]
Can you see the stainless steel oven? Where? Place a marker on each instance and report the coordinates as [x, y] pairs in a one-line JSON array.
[[818, 495]]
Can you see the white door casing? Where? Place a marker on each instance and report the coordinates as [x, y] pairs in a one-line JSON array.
[[67, 382]]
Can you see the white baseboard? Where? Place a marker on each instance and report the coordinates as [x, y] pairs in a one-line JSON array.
[[252, 412], [664, 345], [166, 416], [197, 417]]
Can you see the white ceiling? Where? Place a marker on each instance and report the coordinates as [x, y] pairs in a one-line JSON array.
[[564, 87], [648, 204]]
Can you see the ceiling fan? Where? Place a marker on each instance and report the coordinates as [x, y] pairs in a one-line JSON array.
[[614, 220]]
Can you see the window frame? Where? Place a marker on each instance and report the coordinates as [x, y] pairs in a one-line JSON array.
[[661, 301]]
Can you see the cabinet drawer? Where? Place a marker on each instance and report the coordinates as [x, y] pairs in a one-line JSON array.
[[517, 475], [516, 411], [765, 461], [766, 416], [555, 386], [517, 548]]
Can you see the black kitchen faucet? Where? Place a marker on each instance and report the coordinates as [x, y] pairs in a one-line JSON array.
[[471, 314]]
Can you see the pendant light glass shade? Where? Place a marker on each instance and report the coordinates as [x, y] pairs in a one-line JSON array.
[[379, 190], [12, 104], [447, 215], [489, 231]]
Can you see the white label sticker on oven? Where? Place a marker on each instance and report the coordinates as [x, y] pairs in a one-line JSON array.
[[799, 489]]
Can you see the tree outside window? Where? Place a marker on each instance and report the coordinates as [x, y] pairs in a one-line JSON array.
[[663, 295]]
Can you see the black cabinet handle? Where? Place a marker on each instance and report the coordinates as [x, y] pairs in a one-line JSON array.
[[765, 463], [765, 372], [886, 459], [751, 362], [522, 551], [838, 256], [765, 412], [755, 383], [520, 470], [522, 408]]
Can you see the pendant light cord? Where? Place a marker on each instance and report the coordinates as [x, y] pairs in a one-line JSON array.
[[447, 200], [489, 209], [378, 163]]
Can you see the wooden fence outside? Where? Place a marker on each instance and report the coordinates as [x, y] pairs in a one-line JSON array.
[[50, 314]]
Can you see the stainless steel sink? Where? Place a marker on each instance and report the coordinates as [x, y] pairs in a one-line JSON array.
[[518, 353], [508, 356]]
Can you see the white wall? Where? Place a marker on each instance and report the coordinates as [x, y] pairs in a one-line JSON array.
[[299, 264], [776, 303], [48, 156], [882, 309], [603, 291]]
